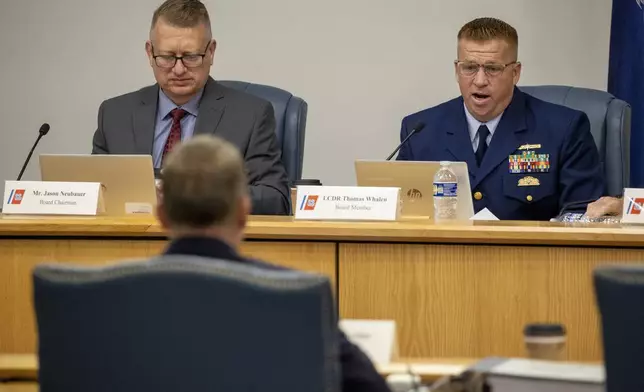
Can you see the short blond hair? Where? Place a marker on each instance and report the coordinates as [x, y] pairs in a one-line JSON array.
[[204, 181], [487, 29], [182, 13]]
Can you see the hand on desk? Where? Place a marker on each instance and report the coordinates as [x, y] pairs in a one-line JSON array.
[[604, 206]]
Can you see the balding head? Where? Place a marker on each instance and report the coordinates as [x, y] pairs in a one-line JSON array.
[[204, 188]]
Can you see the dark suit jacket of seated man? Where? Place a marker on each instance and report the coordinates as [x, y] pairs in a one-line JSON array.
[[203, 206], [564, 167], [127, 124], [358, 373]]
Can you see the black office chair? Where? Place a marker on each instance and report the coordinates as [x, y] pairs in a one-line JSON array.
[[620, 298], [180, 323], [610, 124], [290, 122]]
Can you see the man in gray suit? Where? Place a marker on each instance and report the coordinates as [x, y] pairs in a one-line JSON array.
[[186, 101]]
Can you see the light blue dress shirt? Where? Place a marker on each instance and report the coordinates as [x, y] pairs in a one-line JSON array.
[[164, 123], [474, 124]]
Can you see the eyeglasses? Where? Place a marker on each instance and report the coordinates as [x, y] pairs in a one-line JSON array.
[[188, 60], [467, 68]]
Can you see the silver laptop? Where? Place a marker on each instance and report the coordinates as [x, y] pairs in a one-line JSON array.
[[415, 179], [128, 180]]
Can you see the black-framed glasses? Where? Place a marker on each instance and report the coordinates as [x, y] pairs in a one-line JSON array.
[[191, 60], [469, 68]]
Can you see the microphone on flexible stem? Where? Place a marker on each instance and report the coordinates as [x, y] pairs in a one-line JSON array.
[[41, 132], [419, 127]]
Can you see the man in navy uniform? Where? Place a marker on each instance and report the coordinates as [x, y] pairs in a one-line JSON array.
[[527, 158]]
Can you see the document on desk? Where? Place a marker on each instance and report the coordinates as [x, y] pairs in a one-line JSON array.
[[485, 215], [377, 338], [568, 371], [526, 375]]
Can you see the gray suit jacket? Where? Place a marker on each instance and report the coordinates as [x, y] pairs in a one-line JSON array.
[[126, 126]]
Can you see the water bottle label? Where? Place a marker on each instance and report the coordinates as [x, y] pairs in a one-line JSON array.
[[445, 189]]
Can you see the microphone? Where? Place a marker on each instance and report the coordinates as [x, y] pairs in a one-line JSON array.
[[41, 132], [419, 127]]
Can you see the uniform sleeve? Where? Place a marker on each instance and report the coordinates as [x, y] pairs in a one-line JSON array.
[[581, 178], [405, 153]]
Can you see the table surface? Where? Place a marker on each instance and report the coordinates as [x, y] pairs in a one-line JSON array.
[[25, 367], [287, 228], [540, 270], [18, 366]]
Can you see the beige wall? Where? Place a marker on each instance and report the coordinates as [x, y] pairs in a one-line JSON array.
[[361, 64]]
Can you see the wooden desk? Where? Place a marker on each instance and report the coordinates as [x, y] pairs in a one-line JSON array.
[[19, 366], [459, 290], [19, 387]]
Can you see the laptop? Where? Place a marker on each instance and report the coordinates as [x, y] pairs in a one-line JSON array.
[[128, 180], [415, 180]]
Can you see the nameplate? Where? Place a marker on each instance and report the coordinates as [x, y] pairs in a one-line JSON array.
[[347, 203], [52, 198], [633, 206], [377, 338]]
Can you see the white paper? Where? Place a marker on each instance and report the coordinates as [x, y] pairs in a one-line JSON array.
[[485, 215], [377, 338], [550, 370], [138, 208]]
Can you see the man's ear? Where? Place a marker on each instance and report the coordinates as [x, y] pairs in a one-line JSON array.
[[243, 211], [212, 48], [516, 73], [148, 52], [162, 216]]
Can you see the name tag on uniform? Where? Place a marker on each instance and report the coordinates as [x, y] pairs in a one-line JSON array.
[[529, 162]]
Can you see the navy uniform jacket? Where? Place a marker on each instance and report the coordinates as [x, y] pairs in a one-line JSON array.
[[564, 168], [358, 373]]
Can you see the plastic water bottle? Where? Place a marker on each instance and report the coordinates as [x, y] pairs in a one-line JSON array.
[[445, 193]]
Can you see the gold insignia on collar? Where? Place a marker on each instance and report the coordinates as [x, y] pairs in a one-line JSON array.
[[529, 147], [529, 181]]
